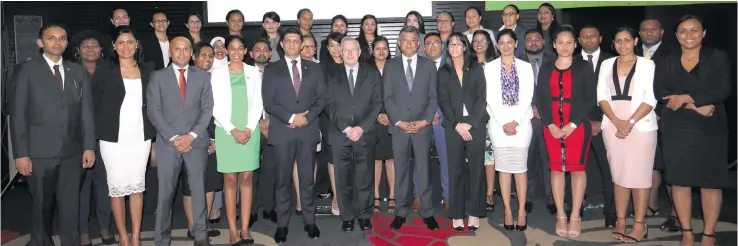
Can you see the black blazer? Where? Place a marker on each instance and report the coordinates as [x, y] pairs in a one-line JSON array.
[[111, 92], [472, 93], [360, 109], [281, 101], [545, 58], [596, 114], [661, 54], [152, 51], [584, 92]]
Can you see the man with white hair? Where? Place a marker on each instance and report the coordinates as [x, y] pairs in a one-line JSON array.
[[355, 101]]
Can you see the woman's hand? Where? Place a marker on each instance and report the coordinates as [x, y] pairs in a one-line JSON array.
[[239, 136], [383, 119], [623, 126], [510, 128], [556, 132]]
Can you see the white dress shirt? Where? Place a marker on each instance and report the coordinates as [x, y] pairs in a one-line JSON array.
[[652, 50], [595, 57], [355, 75], [289, 68], [51, 65], [438, 63], [176, 75], [413, 63], [165, 52]]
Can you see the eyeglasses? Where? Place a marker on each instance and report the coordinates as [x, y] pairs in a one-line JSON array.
[[308, 47], [508, 14], [195, 22]]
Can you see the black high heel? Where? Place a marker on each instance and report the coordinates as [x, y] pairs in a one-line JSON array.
[[490, 205], [522, 227], [630, 239]]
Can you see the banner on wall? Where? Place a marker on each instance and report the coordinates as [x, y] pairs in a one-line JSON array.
[[499, 5]]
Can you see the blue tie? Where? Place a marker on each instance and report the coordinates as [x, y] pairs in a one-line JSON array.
[[409, 74]]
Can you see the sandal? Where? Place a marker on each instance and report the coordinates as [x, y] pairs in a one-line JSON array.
[[391, 205], [618, 235], [490, 204], [631, 239], [561, 232], [689, 231], [376, 204], [575, 234], [652, 212], [710, 236]]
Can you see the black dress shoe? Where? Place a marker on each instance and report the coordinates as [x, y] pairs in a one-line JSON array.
[[313, 232], [551, 208], [610, 221], [671, 224], [213, 232], [298, 212], [528, 206], [431, 223], [348, 226], [365, 224], [397, 222], [270, 215], [281, 235], [253, 219], [108, 241]]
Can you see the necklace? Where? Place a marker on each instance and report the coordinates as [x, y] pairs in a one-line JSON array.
[[688, 58]]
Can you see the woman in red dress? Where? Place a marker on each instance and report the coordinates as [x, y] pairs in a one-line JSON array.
[[565, 94]]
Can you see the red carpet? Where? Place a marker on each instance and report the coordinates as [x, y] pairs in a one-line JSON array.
[[413, 233], [7, 236]]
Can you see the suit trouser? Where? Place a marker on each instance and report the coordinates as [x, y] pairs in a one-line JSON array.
[[439, 135], [354, 169], [467, 178], [169, 166], [539, 176], [95, 180], [55, 180], [600, 157], [284, 158], [264, 185], [419, 144]]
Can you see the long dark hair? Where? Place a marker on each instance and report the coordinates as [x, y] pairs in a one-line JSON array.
[[341, 18], [553, 28], [381, 39], [335, 36], [362, 36], [273, 16], [490, 54], [240, 39], [468, 58], [418, 16], [138, 56]]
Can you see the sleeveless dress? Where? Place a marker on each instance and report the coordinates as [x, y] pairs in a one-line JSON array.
[[234, 157], [631, 159], [565, 154]]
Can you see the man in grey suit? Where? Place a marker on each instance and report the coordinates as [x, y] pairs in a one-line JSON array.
[[53, 132], [180, 107], [410, 101]]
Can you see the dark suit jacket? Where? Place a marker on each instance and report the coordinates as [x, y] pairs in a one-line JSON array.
[[596, 114], [111, 92], [659, 55], [545, 58], [472, 93], [46, 122], [404, 105], [281, 101], [152, 51], [584, 92], [360, 109]]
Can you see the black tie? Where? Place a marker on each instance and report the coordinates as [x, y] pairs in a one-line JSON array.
[[351, 81], [590, 62]]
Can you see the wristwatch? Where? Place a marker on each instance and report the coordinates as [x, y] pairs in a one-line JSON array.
[[632, 121], [573, 126]]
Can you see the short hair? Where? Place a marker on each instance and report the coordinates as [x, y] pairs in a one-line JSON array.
[[431, 34], [299, 12], [533, 30], [50, 25], [479, 11], [234, 11], [86, 35], [116, 9], [350, 39], [508, 32], [515, 7], [590, 26], [409, 29], [650, 19], [291, 31], [198, 46], [450, 15], [261, 41]]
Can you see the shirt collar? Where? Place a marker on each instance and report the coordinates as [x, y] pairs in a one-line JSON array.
[[514, 27], [177, 68], [414, 57], [289, 61], [595, 54], [52, 63], [355, 68], [653, 48]]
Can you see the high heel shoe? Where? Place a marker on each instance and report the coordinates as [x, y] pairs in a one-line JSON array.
[[473, 226], [631, 239], [507, 227], [490, 204], [618, 235], [575, 234], [248, 240], [458, 227], [561, 232], [522, 227], [706, 235]]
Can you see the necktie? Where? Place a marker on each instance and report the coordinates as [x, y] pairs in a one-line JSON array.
[[591, 62], [409, 74], [58, 77], [351, 81], [534, 64], [295, 77], [182, 84], [647, 53]]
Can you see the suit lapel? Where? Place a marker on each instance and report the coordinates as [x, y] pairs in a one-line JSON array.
[[401, 71], [191, 84], [288, 77], [360, 77]]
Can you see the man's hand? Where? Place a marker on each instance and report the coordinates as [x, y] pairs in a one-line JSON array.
[[239, 136], [88, 159], [355, 133], [535, 113], [510, 128], [182, 143], [596, 127], [407, 127], [419, 125], [383, 119], [211, 148], [299, 120], [463, 130], [264, 127], [436, 119], [24, 166]]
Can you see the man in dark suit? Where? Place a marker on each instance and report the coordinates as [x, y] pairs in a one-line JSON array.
[[538, 173], [411, 102], [180, 106], [53, 135], [590, 39], [294, 97], [156, 46], [356, 99], [651, 33]]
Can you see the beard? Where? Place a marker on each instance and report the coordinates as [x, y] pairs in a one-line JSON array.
[[262, 59], [534, 52]]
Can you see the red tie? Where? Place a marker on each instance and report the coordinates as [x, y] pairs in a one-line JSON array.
[[182, 83]]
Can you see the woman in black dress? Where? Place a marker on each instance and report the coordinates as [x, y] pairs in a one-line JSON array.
[[383, 148], [694, 83]]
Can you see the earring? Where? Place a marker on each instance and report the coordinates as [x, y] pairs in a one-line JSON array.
[[102, 55], [78, 55]]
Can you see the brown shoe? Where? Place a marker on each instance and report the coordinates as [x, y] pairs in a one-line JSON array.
[[446, 204], [416, 205]]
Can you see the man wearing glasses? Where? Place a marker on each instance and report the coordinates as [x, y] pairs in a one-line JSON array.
[[308, 49], [156, 47]]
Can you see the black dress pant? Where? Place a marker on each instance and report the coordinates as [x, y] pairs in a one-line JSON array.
[[95, 190], [466, 173], [285, 156], [600, 157], [265, 179], [55, 181], [354, 169]]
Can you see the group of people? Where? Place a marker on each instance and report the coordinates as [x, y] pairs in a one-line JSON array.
[[250, 117]]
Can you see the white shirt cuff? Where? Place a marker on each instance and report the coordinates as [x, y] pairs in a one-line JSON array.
[[172, 139], [397, 123], [193, 134], [292, 118]]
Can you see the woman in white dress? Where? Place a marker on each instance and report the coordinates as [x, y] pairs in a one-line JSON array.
[[125, 132], [510, 89]]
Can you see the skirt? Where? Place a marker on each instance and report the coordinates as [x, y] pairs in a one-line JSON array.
[[511, 159]]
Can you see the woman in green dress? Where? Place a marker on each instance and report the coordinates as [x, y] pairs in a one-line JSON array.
[[237, 110]]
